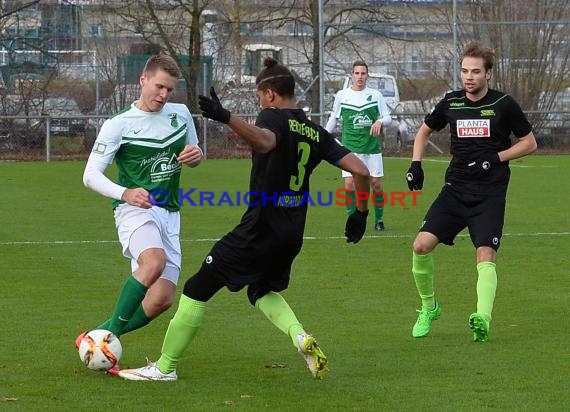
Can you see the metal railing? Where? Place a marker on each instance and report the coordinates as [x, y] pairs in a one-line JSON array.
[[51, 138]]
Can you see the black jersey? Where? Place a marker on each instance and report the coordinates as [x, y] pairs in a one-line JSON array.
[[478, 128], [275, 219]]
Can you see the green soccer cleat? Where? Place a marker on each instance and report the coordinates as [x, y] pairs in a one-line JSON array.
[[425, 317], [313, 355], [480, 327]]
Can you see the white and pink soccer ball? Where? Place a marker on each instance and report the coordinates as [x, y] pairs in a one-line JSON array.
[[100, 349]]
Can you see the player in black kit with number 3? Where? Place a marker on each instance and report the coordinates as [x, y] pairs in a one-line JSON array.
[[481, 121], [259, 251]]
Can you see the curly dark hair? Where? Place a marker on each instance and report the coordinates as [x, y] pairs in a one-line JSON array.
[[276, 77]]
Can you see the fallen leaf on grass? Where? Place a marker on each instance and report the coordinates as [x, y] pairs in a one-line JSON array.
[[275, 365]]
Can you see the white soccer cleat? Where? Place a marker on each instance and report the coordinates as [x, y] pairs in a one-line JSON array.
[[313, 355], [149, 372]]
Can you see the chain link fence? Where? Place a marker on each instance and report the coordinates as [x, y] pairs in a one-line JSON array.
[[46, 138]]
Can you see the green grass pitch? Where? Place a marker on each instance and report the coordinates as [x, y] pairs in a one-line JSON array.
[[62, 270]]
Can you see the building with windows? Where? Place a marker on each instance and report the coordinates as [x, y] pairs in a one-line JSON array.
[[411, 39]]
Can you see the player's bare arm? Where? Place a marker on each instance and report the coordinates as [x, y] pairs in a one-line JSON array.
[[137, 197], [360, 175], [191, 155], [524, 146], [421, 141], [261, 140]]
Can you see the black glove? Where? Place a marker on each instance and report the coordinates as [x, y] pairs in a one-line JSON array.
[[355, 226], [481, 166], [212, 108], [415, 176]]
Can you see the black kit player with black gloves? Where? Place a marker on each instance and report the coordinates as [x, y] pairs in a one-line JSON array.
[[481, 121], [258, 253]]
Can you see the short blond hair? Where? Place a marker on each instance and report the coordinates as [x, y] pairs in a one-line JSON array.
[[161, 62]]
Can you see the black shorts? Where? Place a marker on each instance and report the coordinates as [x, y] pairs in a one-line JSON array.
[[263, 266], [451, 212]]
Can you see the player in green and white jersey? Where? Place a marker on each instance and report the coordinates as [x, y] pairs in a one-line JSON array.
[[149, 141], [363, 112]]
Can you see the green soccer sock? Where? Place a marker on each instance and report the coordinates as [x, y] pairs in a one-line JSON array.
[[351, 207], [130, 298], [182, 328], [105, 325], [486, 288], [422, 269], [378, 210], [278, 311], [138, 320]]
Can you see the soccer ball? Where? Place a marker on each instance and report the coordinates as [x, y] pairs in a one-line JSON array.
[[100, 349]]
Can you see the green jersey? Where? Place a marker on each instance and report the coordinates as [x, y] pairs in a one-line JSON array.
[[145, 146], [358, 110]]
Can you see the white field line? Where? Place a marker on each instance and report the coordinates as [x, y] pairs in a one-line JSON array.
[[511, 164], [383, 236]]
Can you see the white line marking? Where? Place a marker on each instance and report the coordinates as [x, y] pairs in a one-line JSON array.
[[385, 236], [512, 163]]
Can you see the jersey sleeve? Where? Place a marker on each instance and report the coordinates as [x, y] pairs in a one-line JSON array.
[[384, 111], [272, 120], [436, 119], [331, 123], [335, 114], [107, 143], [519, 124], [330, 148], [191, 134], [336, 105], [94, 178]]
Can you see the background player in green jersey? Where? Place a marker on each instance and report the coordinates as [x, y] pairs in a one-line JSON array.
[[363, 112], [481, 121], [149, 141], [259, 251]]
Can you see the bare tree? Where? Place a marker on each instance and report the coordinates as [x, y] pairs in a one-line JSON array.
[[339, 20], [173, 26], [531, 43], [15, 9]]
